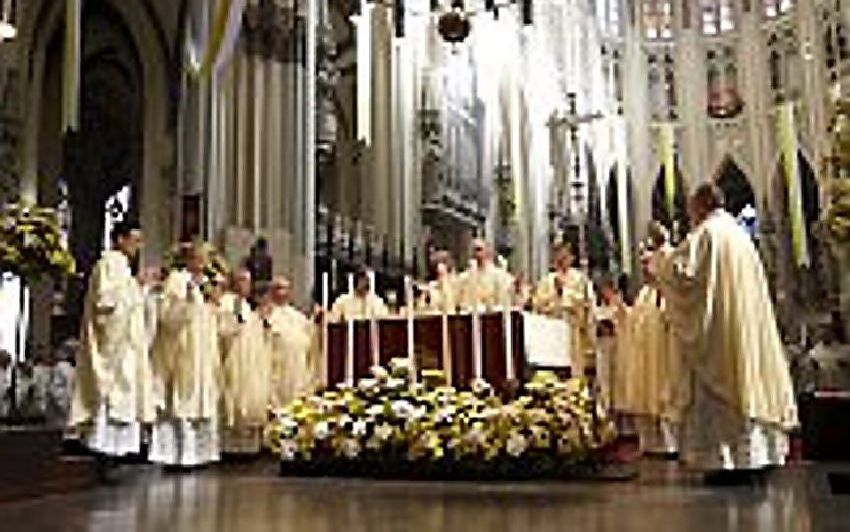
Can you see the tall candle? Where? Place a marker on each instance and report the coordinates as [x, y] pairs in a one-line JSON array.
[[477, 362], [510, 372], [374, 337], [447, 348], [349, 348], [411, 355], [325, 340]]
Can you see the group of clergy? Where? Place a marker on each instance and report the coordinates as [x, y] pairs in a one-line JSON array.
[[195, 361], [695, 365]]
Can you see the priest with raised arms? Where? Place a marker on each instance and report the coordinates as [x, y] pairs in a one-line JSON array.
[[362, 303], [187, 366], [110, 397], [484, 284], [741, 401]]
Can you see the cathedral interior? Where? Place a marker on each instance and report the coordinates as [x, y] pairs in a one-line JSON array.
[[382, 131], [349, 132]]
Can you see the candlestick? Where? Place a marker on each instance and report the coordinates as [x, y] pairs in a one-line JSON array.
[[411, 355], [349, 348], [477, 362], [374, 337], [325, 300], [510, 372], [447, 348]]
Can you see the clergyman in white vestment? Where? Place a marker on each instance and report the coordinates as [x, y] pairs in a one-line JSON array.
[[292, 341], [187, 368], [363, 303], [110, 399], [741, 403], [246, 369], [567, 293], [484, 284]]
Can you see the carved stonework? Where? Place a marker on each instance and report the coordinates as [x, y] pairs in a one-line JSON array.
[[274, 32], [10, 134]]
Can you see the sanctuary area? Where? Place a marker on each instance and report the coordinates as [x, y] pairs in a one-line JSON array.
[[425, 264]]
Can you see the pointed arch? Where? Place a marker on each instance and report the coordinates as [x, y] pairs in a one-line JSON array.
[[735, 185]]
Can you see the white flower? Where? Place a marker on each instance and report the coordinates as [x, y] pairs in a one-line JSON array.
[[396, 384], [516, 444], [373, 443], [288, 450], [383, 431], [359, 428], [350, 448], [321, 430], [289, 426], [379, 373], [402, 409], [375, 410], [366, 385]]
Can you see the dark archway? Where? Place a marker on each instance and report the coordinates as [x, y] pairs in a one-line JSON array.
[[598, 243], [105, 155], [807, 287], [660, 212], [736, 187]]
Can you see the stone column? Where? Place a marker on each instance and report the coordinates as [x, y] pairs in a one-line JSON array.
[[637, 118], [384, 197], [693, 101]]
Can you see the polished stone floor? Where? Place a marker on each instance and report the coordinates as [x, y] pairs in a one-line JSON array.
[[253, 499]]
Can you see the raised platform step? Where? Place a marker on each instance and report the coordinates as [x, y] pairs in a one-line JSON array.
[[33, 466]]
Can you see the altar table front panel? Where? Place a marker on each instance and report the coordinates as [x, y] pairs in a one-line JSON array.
[[429, 350]]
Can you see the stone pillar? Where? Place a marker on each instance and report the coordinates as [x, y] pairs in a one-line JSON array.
[[637, 118], [759, 116], [384, 197], [693, 101]]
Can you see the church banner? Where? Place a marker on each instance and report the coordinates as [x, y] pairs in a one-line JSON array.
[[207, 55], [71, 66], [787, 137], [667, 141]]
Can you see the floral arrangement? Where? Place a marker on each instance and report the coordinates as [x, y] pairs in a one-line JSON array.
[[838, 215], [386, 427], [31, 243]]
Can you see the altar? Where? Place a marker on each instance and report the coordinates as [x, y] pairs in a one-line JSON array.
[[445, 343]]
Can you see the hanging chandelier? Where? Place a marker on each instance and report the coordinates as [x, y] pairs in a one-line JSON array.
[[453, 25], [8, 29]]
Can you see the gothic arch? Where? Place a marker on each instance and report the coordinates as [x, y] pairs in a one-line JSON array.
[[145, 31], [680, 201], [735, 185]]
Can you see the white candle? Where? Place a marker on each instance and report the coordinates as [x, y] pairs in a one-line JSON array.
[[477, 362], [510, 372], [447, 348], [349, 349], [411, 356], [374, 337], [325, 342]]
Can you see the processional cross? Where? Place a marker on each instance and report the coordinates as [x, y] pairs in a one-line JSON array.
[[567, 206]]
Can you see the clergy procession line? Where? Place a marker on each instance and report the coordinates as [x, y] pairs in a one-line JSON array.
[[694, 366]]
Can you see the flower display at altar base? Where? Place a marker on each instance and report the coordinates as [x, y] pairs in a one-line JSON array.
[[383, 428], [31, 243]]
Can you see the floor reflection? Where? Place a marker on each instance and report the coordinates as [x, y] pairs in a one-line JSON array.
[[254, 499]]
